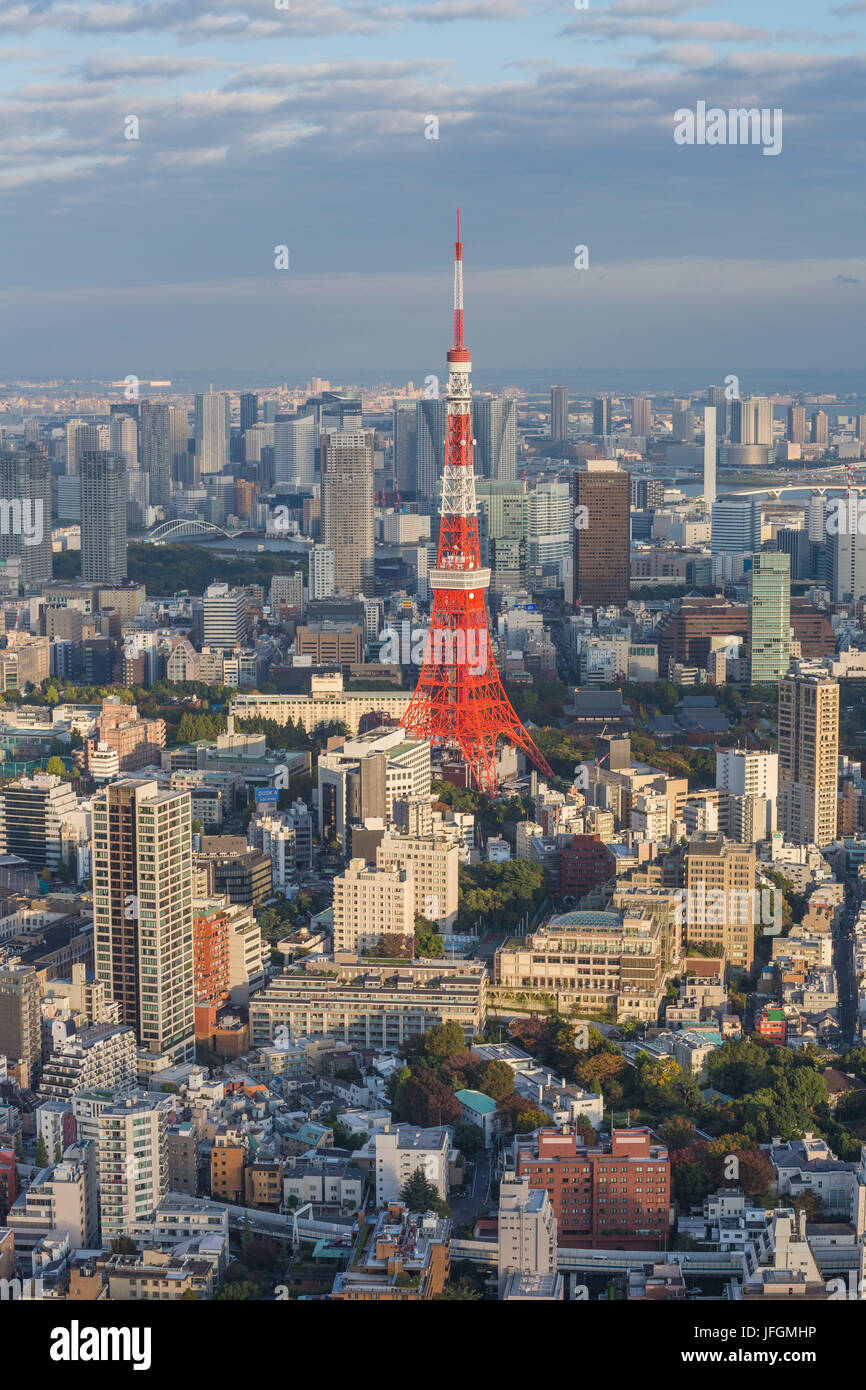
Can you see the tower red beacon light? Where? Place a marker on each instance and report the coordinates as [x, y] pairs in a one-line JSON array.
[[459, 700]]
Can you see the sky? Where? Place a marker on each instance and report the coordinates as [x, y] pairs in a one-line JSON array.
[[304, 127]]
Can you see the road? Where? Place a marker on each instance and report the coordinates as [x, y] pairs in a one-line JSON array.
[[843, 963], [467, 1209]]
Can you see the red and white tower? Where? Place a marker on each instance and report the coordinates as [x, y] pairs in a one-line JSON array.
[[459, 699]]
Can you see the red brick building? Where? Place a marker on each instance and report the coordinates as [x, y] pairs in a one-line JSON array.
[[210, 958], [8, 1181], [616, 1195], [585, 864]]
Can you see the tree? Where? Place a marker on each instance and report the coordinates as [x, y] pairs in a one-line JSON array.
[[429, 944], [429, 1101], [497, 1080], [41, 1156], [444, 1040], [56, 767], [459, 1289], [421, 1195], [393, 946], [468, 1139]]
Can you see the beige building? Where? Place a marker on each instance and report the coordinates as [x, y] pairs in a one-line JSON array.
[[719, 905], [587, 961], [24, 661], [132, 1160], [808, 757], [434, 861], [370, 903], [347, 508], [526, 1232], [326, 703], [60, 1198]]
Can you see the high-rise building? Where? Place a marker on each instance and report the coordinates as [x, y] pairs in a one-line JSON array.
[[295, 450], [431, 416], [641, 416], [212, 431], [20, 1021], [157, 449], [103, 518], [601, 416], [683, 422], [132, 1160], [763, 409], [178, 423], [347, 509], [846, 549], [710, 449], [769, 617], [796, 428], [548, 523], [321, 572], [526, 1230], [752, 420], [224, 613], [32, 814], [751, 782], [25, 513], [559, 412], [142, 907], [808, 756], [861, 428], [736, 526], [602, 495], [820, 427], [714, 867], [434, 861], [716, 396], [405, 428], [123, 439], [494, 428], [249, 405], [370, 903]]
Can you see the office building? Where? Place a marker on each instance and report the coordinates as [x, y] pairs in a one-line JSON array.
[[431, 417], [683, 422], [601, 416], [752, 420], [717, 397], [808, 757], [736, 526], [769, 617], [559, 412], [710, 451], [103, 518], [601, 534], [224, 613], [745, 773], [132, 1160], [212, 432], [295, 451], [25, 513], [347, 509], [719, 901], [405, 431], [847, 555], [548, 523], [494, 433], [249, 410], [142, 904], [364, 778]]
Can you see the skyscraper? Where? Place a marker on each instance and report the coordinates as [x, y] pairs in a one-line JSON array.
[[796, 430], [559, 412], [683, 422], [601, 416], [321, 572], [820, 427], [641, 416], [347, 508], [178, 420], [548, 523], [808, 757], [295, 450], [431, 445], [716, 396], [25, 512], [769, 616], [156, 449], [494, 428], [602, 541], [736, 526], [847, 554], [224, 617], [249, 410], [710, 449], [212, 431], [142, 908], [405, 432], [123, 439], [103, 518]]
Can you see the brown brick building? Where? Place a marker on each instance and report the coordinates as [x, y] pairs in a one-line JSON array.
[[602, 540]]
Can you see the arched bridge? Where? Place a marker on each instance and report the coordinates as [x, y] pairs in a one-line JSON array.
[[171, 530]]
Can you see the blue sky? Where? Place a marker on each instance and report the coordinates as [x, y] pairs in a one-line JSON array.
[[305, 127]]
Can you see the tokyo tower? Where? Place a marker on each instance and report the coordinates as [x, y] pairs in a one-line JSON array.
[[460, 700]]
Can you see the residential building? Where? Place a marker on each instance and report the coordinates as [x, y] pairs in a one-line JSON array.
[[33, 811], [370, 903], [132, 1158], [347, 508], [719, 896], [103, 517], [526, 1230], [434, 861], [808, 757], [769, 617]]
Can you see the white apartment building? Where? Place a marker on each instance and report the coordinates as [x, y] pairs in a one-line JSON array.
[[132, 1160], [526, 1236], [101, 1057], [398, 1151], [435, 862], [277, 839], [60, 1198], [370, 903]]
